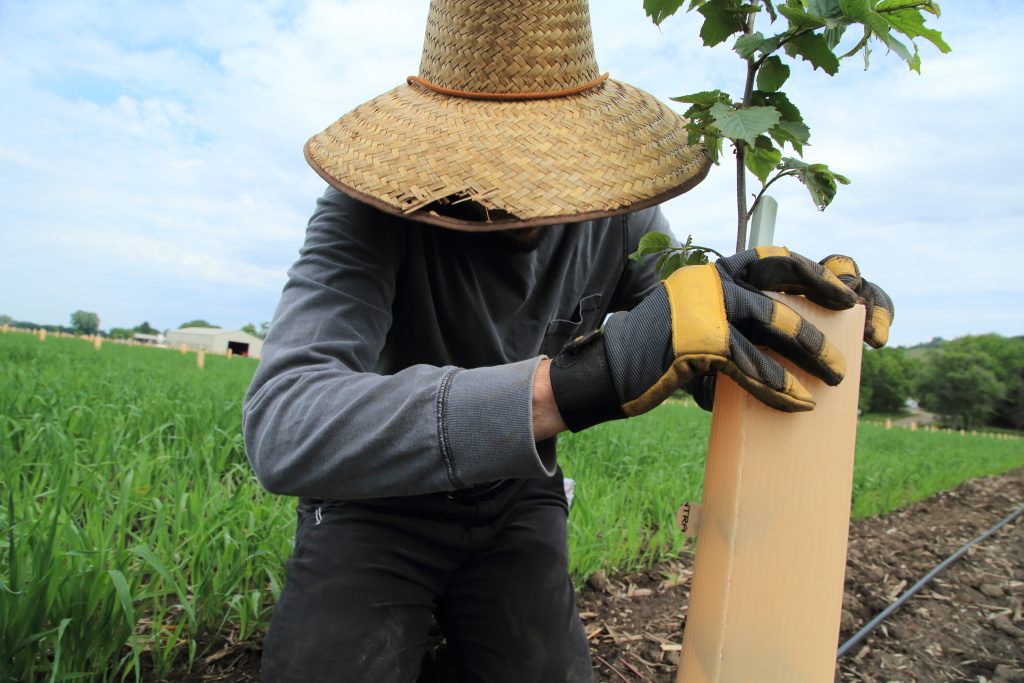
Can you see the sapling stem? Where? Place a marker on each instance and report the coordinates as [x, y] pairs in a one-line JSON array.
[[741, 147], [764, 188]]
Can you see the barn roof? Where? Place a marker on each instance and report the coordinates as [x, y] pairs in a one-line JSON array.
[[210, 331]]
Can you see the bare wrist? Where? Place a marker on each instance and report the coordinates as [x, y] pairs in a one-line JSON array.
[[547, 421]]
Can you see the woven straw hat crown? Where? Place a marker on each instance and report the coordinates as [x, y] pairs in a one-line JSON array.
[[508, 47], [511, 116]]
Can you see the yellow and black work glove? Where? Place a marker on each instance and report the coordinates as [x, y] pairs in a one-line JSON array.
[[704, 319], [778, 269], [879, 310]]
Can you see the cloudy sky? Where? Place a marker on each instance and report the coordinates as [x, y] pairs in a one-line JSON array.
[[151, 153]]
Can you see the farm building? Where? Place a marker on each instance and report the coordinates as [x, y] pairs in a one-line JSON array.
[[150, 339], [216, 340]]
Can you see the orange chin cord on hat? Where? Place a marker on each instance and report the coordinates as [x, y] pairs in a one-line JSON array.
[[507, 96]]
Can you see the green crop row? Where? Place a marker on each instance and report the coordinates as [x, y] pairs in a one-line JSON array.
[[132, 522], [133, 530], [631, 477]]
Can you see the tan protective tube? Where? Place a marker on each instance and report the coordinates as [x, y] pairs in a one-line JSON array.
[[771, 545]]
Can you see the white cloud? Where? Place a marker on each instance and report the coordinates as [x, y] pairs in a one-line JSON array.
[[167, 138]]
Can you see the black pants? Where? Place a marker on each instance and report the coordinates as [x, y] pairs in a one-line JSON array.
[[366, 579]]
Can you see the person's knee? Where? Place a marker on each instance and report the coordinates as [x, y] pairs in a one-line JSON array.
[[385, 644]]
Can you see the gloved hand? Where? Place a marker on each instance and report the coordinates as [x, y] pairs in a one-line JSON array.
[[758, 265], [779, 270], [704, 319], [880, 310]]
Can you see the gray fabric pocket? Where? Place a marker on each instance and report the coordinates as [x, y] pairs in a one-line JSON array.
[[585, 316]]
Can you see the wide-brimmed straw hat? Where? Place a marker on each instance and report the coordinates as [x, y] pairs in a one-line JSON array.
[[509, 117]]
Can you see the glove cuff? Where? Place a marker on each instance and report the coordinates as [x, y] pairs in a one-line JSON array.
[[581, 382]]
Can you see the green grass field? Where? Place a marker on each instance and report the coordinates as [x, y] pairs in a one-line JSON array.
[[133, 528]]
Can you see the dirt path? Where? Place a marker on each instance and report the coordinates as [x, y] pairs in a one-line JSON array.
[[966, 626]]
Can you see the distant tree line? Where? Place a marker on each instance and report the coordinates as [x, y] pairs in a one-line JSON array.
[[970, 381], [88, 323], [129, 332]]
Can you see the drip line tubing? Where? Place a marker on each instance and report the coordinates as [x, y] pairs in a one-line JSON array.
[[870, 626]]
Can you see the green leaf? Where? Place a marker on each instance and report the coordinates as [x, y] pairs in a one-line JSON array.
[[813, 48], [651, 243], [124, 596], [896, 5], [861, 11], [697, 258], [771, 44], [798, 18], [721, 20], [762, 159], [57, 647], [705, 97], [819, 180], [747, 45], [825, 9], [744, 124], [660, 10], [772, 74], [146, 554], [780, 101], [899, 48], [833, 35], [669, 263], [910, 23], [713, 144], [796, 133]]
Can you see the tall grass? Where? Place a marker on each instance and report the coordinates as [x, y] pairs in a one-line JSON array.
[[132, 521], [897, 467], [631, 476], [132, 530]]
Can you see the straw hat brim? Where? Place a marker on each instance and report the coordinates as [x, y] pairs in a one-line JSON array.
[[606, 151]]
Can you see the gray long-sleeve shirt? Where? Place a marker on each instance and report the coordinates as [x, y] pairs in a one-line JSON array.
[[401, 357]]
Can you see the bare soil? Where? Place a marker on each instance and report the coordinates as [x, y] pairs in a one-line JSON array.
[[966, 625]]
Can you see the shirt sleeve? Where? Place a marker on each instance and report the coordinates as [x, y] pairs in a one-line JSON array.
[[319, 422]]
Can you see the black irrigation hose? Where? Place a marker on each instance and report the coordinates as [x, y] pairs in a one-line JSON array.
[[870, 626]]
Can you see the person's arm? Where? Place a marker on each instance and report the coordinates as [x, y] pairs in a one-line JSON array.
[[547, 421], [319, 422], [714, 318]]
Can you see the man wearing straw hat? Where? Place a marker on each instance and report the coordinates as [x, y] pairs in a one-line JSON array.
[[477, 226]]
